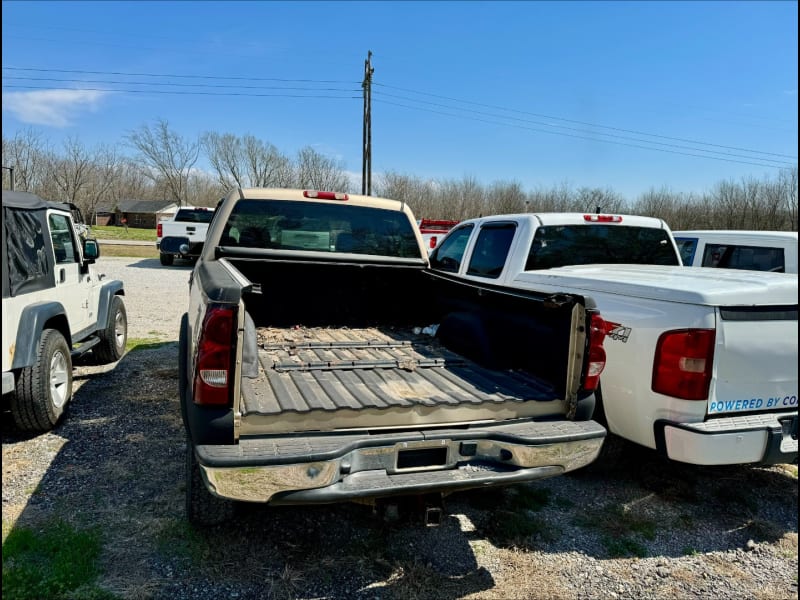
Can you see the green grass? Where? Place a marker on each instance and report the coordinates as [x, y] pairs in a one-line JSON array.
[[618, 528], [56, 561], [127, 251], [144, 344], [110, 232]]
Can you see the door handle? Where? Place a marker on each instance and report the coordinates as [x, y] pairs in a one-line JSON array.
[[62, 275]]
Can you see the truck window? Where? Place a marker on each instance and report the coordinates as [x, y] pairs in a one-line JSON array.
[[562, 245], [687, 247], [320, 227], [491, 250], [194, 215], [753, 258], [448, 255]]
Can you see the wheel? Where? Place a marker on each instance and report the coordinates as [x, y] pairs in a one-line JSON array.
[[202, 507], [166, 259], [114, 337], [43, 389]]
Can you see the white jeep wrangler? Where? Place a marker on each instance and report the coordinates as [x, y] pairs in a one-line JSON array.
[[55, 307]]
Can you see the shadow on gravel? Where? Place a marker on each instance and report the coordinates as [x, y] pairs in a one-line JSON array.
[[121, 468], [154, 263]]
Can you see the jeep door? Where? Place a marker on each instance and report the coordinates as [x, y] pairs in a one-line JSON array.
[[73, 285]]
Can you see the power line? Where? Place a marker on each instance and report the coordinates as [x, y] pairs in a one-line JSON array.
[[584, 131], [178, 92], [179, 76], [167, 83], [783, 165], [584, 122]]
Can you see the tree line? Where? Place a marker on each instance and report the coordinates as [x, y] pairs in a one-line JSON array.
[[154, 162]]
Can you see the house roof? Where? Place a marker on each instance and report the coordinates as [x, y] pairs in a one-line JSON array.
[[145, 206]]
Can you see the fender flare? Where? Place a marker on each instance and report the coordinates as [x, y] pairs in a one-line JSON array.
[[29, 332], [107, 292]]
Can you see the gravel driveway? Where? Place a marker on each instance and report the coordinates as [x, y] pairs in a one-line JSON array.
[[641, 528]]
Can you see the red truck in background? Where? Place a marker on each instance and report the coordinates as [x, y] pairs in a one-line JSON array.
[[433, 230]]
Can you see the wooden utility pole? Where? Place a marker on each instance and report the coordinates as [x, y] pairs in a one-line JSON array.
[[366, 156]]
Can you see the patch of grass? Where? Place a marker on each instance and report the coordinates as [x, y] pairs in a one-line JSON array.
[[623, 546], [178, 538], [689, 551], [110, 232], [618, 526], [144, 344], [527, 497], [56, 561], [685, 521], [564, 503], [509, 527]]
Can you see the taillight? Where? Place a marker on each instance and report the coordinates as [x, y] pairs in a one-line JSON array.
[[433, 241], [159, 230], [325, 195], [603, 218], [597, 354], [683, 362], [215, 356]]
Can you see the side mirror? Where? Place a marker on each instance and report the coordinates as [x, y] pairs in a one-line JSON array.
[[91, 251]]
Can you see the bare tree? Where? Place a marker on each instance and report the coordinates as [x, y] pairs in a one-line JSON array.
[[70, 171], [27, 153], [266, 167], [225, 154], [166, 157], [319, 172]]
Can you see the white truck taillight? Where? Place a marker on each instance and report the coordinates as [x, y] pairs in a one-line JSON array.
[[683, 362], [159, 231], [215, 356], [597, 354]]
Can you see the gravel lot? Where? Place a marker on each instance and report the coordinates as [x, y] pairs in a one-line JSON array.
[[641, 528]]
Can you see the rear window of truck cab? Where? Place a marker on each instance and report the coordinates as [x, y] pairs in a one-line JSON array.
[[562, 245], [194, 215], [320, 227]]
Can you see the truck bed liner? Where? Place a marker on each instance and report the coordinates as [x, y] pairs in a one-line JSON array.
[[318, 369]]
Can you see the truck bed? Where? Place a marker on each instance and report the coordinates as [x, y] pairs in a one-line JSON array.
[[355, 378]]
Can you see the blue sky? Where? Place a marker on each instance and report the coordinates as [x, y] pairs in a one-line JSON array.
[[624, 95]]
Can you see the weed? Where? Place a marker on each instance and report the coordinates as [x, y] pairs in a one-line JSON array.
[[564, 503], [689, 551], [616, 521], [56, 561], [178, 538], [623, 546], [516, 527], [527, 497]]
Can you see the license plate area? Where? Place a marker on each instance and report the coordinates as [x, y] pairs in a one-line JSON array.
[[421, 456]]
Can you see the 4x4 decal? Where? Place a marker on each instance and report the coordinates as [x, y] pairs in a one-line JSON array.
[[617, 332]]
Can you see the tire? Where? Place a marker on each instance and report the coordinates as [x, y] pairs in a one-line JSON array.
[[44, 389], [115, 336], [202, 507], [166, 259]]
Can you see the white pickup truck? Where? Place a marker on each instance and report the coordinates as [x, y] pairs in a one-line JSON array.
[[184, 234], [701, 362]]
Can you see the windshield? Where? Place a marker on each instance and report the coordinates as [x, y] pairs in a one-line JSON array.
[[559, 246], [194, 215]]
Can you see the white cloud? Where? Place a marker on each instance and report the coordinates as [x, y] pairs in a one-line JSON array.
[[56, 108]]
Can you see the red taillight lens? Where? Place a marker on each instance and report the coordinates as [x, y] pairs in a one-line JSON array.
[[325, 195], [597, 354], [683, 362], [215, 357], [603, 218], [159, 230], [433, 241]]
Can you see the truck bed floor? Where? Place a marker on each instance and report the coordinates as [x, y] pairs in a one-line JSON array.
[[316, 369]]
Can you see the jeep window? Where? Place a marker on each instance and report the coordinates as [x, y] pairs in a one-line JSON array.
[[64, 246], [560, 245]]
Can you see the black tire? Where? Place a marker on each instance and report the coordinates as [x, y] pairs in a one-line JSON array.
[[166, 259], [202, 507], [115, 335], [44, 389]]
